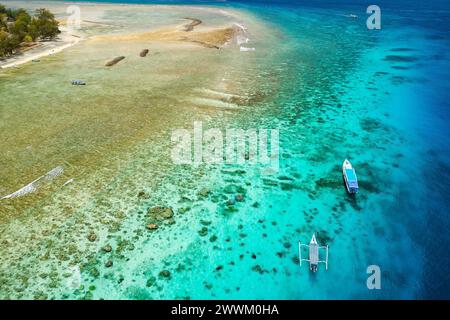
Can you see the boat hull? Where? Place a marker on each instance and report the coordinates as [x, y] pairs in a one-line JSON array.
[[351, 183]]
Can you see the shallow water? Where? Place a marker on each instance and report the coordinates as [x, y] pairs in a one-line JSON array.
[[333, 88]]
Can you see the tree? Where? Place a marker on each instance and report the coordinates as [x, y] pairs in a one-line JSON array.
[[17, 27], [33, 31], [3, 21], [3, 41], [45, 24], [27, 38], [8, 43], [20, 27]]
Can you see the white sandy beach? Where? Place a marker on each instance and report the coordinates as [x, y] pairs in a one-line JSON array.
[[65, 40]]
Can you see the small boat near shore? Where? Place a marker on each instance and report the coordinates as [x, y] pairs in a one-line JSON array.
[[350, 179], [78, 83]]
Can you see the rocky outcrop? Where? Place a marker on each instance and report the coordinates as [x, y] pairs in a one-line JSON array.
[[114, 61], [92, 237], [143, 53], [165, 274], [204, 192], [107, 248], [160, 213], [190, 26], [152, 226], [143, 195]]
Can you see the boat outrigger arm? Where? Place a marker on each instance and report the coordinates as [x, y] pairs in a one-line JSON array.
[[313, 258]]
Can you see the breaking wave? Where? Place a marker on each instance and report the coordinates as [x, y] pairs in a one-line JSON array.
[[34, 185]]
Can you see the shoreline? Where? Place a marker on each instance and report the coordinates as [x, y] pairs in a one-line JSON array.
[[42, 50]]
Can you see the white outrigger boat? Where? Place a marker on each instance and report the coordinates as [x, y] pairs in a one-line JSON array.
[[351, 182], [313, 256]]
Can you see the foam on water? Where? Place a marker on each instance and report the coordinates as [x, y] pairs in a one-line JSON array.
[[34, 185]]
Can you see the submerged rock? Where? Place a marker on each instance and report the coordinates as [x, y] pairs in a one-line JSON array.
[[232, 188], [229, 209], [88, 296], [114, 61], [180, 268], [239, 197], [170, 221], [287, 186], [208, 285], [107, 248], [143, 195], [328, 183], [92, 237], [285, 178], [183, 210], [165, 274], [108, 263], [204, 192], [152, 226], [160, 213], [205, 222], [203, 231], [151, 281], [40, 295], [194, 22], [94, 272], [143, 53], [397, 58], [372, 124], [259, 269], [269, 182], [230, 202]]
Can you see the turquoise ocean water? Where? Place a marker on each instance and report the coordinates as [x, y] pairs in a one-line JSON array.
[[377, 97]]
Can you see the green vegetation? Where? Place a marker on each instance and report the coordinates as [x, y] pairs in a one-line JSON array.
[[18, 27]]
